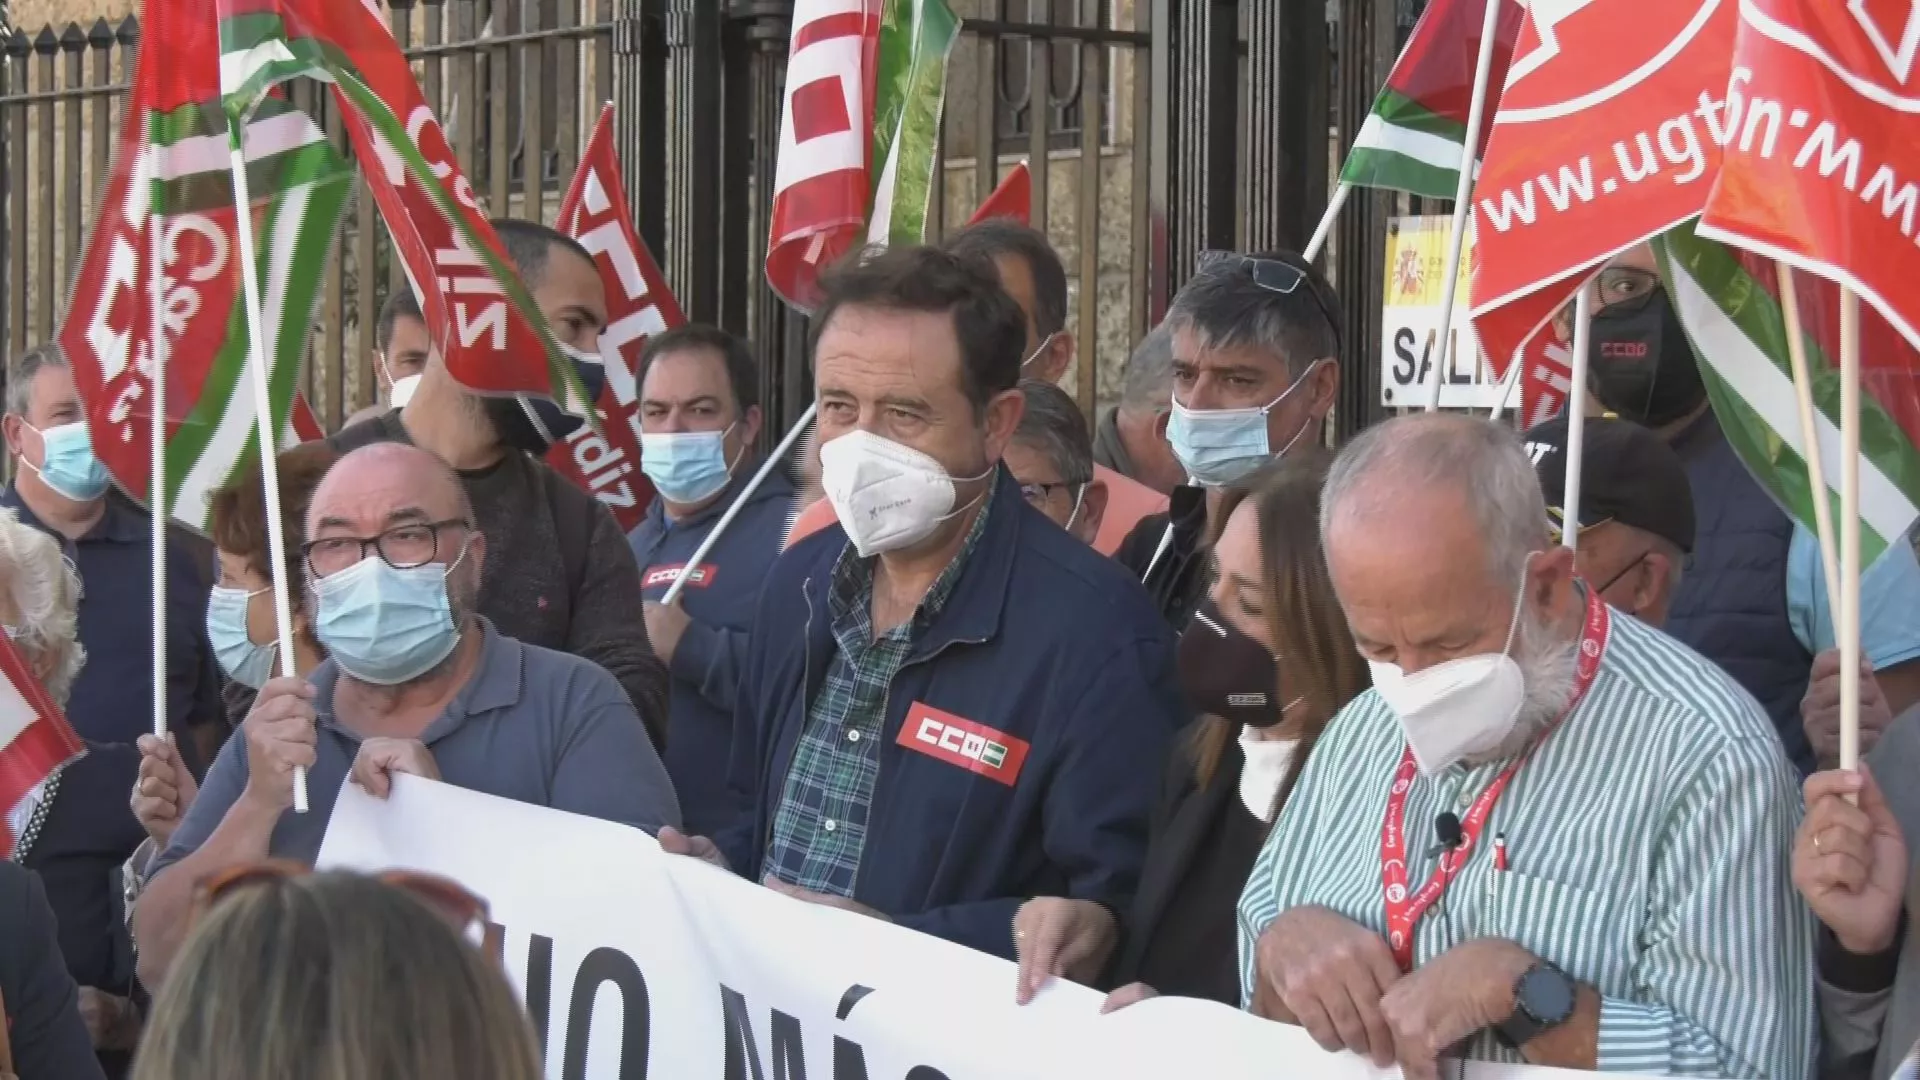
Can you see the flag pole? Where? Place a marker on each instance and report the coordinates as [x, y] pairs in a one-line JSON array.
[[773, 461], [1576, 420], [157, 481], [1325, 228], [1809, 433], [1463, 199], [266, 436], [1847, 618], [1507, 384]]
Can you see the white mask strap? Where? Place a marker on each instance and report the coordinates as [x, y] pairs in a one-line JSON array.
[[1079, 497], [1519, 600]]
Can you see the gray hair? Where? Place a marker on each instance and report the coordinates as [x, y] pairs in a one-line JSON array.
[[1053, 425], [45, 591], [20, 379], [1228, 309], [1147, 380], [1484, 461]]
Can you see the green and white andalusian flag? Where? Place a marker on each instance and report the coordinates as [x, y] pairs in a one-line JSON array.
[[160, 279], [1729, 302], [909, 91], [1415, 136]]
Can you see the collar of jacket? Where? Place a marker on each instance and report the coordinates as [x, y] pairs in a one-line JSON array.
[[974, 611]]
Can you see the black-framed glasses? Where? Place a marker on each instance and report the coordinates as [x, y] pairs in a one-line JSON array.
[[402, 547], [1272, 275], [1037, 495], [1625, 288]]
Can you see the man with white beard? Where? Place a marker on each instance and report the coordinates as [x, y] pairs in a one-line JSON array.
[[1584, 829]]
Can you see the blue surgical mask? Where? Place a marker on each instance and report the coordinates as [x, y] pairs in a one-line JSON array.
[[385, 626], [69, 466], [1219, 446], [244, 660], [686, 466]]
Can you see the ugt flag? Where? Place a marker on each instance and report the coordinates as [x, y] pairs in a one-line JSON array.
[[866, 80], [639, 305], [35, 738], [1417, 133], [159, 284]]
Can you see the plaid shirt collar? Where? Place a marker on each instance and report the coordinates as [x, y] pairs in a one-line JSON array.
[[850, 596]]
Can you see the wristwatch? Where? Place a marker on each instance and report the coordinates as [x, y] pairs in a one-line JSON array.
[[1543, 999]]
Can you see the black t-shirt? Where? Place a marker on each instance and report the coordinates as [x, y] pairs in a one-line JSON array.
[[1178, 578], [1195, 950]]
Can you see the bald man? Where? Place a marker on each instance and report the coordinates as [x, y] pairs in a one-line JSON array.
[[415, 682]]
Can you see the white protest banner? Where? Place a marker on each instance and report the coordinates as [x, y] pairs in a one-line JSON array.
[[1410, 321], [634, 964]]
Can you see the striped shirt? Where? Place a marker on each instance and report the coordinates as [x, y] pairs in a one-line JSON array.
[[1648, 843], [820, 829]]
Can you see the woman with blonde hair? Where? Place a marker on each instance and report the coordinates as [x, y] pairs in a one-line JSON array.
[[291, 975], [1267, 662]]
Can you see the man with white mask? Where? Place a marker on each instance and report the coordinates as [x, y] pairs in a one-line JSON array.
[[949, 703], [416, 681], [699, 418], [1256, 370], [1550, 833]]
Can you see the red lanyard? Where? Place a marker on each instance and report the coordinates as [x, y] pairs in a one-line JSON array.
[[1404, 911]]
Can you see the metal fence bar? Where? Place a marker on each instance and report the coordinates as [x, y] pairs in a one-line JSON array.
[[1087, 223]]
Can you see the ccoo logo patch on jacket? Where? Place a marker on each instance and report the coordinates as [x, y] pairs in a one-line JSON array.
[[658, 576], [956, 740]]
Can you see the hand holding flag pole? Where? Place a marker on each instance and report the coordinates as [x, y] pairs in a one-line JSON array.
[[1463, 211], [263, 413]]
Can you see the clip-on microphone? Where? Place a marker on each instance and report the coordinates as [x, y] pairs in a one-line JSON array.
[[1446, 829]]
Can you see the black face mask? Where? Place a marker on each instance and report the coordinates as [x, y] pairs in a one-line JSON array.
[[1226, 673], [1641, 365], [534, 424]]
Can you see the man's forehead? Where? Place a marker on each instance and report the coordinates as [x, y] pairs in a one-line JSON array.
[[884, 351], [371, 485], [1637, 257], [570, 279], [1195, 348], [1029, 463], [686, 372]]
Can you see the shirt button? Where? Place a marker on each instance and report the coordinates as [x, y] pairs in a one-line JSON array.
[[853, 736], [829, 825]]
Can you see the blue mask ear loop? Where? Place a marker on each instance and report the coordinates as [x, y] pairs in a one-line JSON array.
[[1271, 405]]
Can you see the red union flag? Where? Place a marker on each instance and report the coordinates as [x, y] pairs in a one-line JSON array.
[[1608, 133], [821, 185], [1012, 199], [1831, 182], [1546, 381], [639, 305], [35, 739]]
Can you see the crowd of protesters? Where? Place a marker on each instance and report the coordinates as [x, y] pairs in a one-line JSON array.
[[1343, 736]]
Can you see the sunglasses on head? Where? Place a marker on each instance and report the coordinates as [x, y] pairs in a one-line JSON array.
[[461, 909], [1272, 275]]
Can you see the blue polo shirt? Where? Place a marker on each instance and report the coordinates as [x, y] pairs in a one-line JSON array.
[[112, 700]]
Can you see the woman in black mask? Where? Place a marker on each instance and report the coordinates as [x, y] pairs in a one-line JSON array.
[[1266, 662]]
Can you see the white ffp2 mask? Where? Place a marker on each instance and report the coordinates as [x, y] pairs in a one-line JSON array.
[[1461, 708], [887, 496]]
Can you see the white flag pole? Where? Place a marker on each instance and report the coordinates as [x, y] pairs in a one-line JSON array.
[[1847, 618], [1576, 419], [1507, 384], [269, 438], [1325, 228], [157, 478], [1463, 198], [740, 501], [1809, 432]]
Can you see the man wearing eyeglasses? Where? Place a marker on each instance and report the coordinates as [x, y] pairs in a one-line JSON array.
[[1754, 597], [1636, 511], [416, 681], [1256, 370], [1051, 458]]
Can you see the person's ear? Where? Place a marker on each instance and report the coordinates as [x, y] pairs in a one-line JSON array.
[[1563, 324], [1093, 512], [1003, 414], [750, 425], [1165, 416], [12, 426], [1656, 570], [1323, 387], [1551, 571], [1054, 359]]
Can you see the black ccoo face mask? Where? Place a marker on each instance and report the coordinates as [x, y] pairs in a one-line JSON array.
[[1226, 673], [534, 424], [1641, 365]]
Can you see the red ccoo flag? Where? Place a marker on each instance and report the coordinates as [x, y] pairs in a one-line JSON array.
[[35, 739], [1012, 199], [639, 305]]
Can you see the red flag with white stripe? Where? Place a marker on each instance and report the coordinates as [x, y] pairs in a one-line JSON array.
[[639, 305], [35, 739]]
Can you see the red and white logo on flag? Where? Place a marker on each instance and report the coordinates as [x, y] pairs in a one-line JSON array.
[[639, 305], [35, 738], [1547, 380]]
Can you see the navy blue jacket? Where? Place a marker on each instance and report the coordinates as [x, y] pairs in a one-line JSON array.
[[1045, 642], [720, 600]]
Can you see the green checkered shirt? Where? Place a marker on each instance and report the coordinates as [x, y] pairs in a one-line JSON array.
[[821, 826]]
